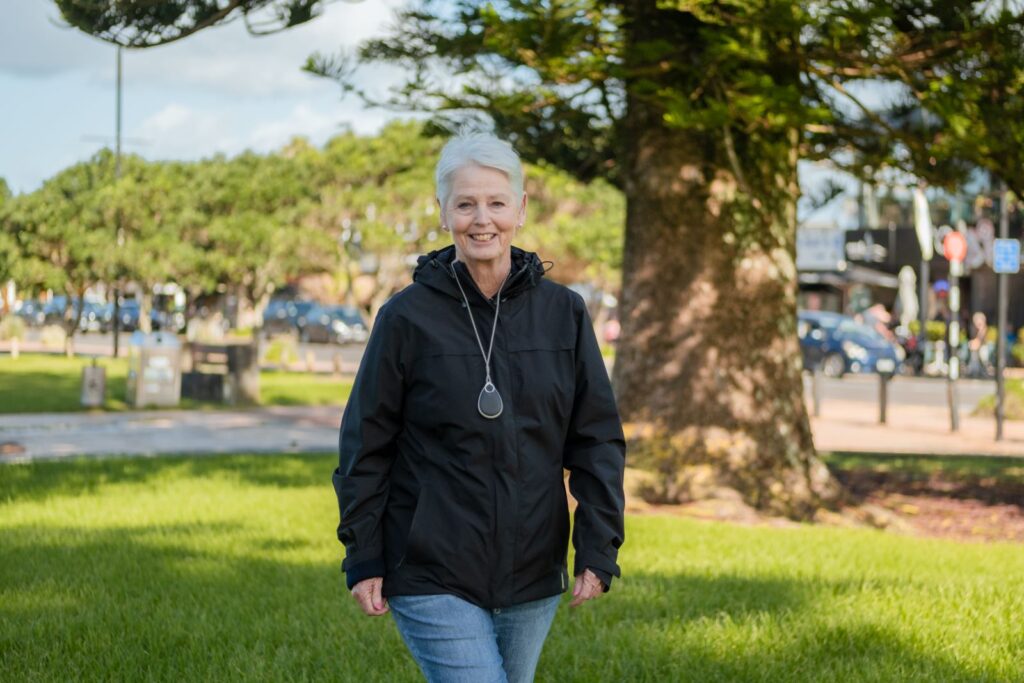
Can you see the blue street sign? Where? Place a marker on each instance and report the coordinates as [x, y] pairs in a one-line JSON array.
[[1006, 256]]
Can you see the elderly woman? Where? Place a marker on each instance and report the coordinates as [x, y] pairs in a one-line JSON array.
[[481, 381]]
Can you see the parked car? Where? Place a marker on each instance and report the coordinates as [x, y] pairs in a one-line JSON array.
[[32, 312], [839, 344], [334, 324], [97, 316], [53, 310], [129, 311], [285, 316]]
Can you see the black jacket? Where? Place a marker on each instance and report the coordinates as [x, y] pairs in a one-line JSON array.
[[438, 499]]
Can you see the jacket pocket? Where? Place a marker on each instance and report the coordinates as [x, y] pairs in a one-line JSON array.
[[420, 544]]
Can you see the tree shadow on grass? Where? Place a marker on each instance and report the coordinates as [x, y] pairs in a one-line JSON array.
[[71, 477], [214, 601], [42, 391], [739, 628], [162, 602]]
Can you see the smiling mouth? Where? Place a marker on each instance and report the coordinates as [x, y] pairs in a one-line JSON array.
[[482, 238]]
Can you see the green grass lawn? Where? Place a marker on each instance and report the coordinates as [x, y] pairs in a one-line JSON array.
[[36, 383], [226, 568], [1013, 407], [996, 468]]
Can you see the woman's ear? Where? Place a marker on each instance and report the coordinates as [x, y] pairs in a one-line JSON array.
[[440, 209]]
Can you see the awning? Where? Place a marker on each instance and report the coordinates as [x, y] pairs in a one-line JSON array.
[[852, 274]]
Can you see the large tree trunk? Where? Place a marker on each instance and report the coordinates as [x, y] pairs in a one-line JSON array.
[[708, 368]]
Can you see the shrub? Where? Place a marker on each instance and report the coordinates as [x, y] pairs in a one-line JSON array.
[[12, 327], [53, 336], [282, 351]]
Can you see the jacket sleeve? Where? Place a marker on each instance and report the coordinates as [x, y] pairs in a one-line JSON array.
[[595, 455], [366, 447]]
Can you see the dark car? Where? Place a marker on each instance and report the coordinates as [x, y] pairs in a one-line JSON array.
[[285, 316], [129, 311], [97, 316], [839, 344], [94, 318], [53, 310], [32, 312], [334, 324]]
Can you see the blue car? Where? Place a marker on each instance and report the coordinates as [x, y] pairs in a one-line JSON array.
[[838, 344]]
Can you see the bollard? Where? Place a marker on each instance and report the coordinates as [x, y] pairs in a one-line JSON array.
[[883, 396], [816, 389], [94, 385]]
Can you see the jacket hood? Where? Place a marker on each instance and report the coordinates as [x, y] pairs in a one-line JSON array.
[[434, 270]]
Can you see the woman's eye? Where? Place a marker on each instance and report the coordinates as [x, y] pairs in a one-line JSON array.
[[497, 205], [463, 205]]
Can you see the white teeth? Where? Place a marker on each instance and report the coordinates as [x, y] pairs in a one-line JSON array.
[[482, 238]]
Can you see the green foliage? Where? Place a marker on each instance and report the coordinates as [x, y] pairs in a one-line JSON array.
[[255, 222], [935, 330], [282, 351], [12, 327], [1013, 404], [226, 567], [146, 24]]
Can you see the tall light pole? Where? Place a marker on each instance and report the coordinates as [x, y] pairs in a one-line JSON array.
[[1002, 303], [923, 228], [118, 234]]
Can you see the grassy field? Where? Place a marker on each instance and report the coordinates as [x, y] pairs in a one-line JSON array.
[[226, 568], [1013, 407], [36, 383], [996, 467]]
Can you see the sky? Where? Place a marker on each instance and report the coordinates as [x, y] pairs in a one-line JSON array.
[[219, 90]]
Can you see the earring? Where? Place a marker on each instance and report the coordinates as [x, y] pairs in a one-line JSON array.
[[445, 228]]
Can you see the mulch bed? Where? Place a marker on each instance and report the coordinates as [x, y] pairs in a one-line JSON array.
[[961, 508]]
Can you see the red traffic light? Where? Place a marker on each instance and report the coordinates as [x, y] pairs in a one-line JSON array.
[[954, 246]]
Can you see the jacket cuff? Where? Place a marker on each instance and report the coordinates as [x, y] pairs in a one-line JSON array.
[[604, 569], [361, 571], [605, 577]]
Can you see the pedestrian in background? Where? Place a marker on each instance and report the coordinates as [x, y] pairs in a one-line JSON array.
[[481, 381]]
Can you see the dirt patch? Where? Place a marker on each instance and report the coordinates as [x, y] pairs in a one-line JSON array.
[[938, 505]]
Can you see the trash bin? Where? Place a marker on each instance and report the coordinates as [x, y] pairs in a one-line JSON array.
[[154, 370], [228, 373]]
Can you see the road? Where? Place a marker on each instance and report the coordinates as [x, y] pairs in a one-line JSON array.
[[919, 391]]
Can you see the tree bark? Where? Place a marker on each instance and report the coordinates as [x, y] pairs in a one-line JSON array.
[[708, 367]]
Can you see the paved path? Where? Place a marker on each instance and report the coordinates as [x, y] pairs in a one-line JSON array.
[[289, 429], [843, 426], [853, 426]]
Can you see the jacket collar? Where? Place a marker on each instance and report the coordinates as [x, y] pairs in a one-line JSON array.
[[434, 270]]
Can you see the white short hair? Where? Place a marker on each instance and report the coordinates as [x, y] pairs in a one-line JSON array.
[[477, 149]]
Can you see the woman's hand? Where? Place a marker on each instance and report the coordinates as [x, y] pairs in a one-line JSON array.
[[586, 587], [368, 594]]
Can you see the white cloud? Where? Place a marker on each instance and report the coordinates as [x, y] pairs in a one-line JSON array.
[[177, 131], [226, 60], [303, 121]]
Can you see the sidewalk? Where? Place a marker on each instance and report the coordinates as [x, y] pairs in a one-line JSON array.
[[848, 426], [852, 426], [261, 430]]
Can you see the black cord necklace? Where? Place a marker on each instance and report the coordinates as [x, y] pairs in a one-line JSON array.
[[489, 403]]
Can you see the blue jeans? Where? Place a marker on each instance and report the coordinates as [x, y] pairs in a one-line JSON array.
[[454, 641]]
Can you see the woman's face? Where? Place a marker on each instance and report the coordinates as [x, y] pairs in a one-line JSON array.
[[482, 214]]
